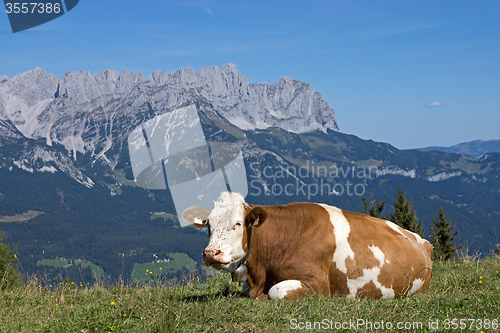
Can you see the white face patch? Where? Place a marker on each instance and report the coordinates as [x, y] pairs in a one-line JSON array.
[[226, 229], [280, 290], [341, 229], [371, 275]]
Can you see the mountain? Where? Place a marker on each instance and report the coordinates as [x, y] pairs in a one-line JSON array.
[[65, 164], [476, 148], [70, 110]]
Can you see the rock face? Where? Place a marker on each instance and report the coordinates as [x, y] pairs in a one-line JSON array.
[[22, 99], [288, 104], [88, 112]]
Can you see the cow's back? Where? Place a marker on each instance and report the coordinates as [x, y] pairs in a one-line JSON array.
[[376, 258], [331, 251]]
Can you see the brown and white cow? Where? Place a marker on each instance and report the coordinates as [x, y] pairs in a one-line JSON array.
[[307, 247]]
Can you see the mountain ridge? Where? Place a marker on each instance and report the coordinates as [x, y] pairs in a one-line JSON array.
[[36, 102], [475, 148]]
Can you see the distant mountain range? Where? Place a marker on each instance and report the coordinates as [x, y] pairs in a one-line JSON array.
[[476, 148], [64, 163]]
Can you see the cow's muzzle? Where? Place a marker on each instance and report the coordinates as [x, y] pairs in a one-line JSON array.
[[212, 257]]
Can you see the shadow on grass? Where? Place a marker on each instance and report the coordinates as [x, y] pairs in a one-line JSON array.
[[226, 292]]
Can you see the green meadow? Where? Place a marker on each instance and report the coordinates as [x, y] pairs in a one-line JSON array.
[[97, 272], [148, 271]]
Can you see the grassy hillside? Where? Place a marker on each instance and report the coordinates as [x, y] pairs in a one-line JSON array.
[[147, 271], [466, 289], [97, 272]]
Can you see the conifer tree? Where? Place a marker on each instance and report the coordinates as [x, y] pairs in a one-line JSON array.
[[8, 275], [442, 237], [374, 207], [404, 216]]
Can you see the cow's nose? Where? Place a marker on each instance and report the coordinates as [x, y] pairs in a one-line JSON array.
[[211, 256]]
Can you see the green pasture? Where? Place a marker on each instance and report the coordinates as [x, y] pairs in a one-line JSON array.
[[97, 272], [146, 271]]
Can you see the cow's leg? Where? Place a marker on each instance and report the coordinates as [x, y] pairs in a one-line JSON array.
[[253, 292], [256, 289], [287, 289], [257, 293]]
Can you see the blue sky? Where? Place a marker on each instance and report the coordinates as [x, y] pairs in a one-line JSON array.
[[410, 73]]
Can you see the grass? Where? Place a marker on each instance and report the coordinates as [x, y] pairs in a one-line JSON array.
[[147, 271], [469, 164], [31, 214], [58, 263], [97, 272], [463, 289]]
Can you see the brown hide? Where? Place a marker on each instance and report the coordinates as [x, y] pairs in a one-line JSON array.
[[297, 242]]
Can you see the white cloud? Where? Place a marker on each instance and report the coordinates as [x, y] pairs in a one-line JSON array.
[[436, 103]]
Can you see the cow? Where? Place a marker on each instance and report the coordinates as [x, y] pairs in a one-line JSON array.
[[301, 248]]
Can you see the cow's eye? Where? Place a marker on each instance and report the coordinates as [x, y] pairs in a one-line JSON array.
[[238, 223]]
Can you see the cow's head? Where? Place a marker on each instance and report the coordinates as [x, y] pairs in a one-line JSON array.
[[229, 226]]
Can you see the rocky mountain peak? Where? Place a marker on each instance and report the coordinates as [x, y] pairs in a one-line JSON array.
[[88, 112], [30, 87], [289, 104], [84, 86]]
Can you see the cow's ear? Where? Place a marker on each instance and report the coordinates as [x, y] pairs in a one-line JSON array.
[[197, 216], [256, 216]]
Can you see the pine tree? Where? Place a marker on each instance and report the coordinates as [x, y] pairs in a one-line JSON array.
[[8, 275], [404, 216], [374, 207], [442, 237]]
